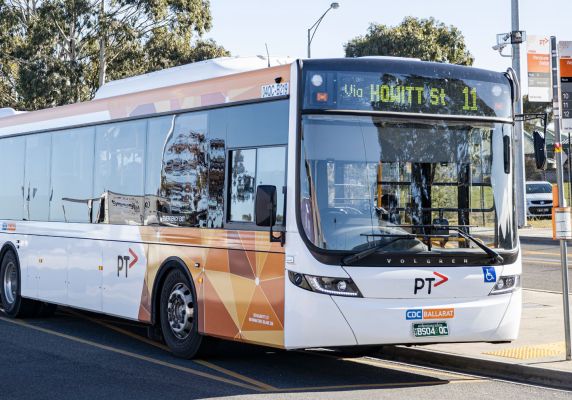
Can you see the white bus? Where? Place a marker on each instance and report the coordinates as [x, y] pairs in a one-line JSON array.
[[314, 203]]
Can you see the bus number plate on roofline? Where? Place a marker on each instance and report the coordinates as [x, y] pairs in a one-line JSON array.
[[274, 90], [431, 329]]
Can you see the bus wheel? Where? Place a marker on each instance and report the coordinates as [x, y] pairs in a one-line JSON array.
[[13, 303], [178, 311]]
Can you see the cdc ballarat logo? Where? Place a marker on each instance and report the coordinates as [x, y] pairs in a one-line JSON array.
[[414, 314]]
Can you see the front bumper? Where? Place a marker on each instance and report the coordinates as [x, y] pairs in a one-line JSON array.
[[317, 320]]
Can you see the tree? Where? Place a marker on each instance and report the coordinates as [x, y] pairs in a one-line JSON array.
[[61, 51], [426, 39]]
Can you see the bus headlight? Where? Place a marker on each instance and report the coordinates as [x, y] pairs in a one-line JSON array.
[[326, 285], [506, 284]]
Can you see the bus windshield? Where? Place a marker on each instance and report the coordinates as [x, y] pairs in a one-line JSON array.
[[411, 185]]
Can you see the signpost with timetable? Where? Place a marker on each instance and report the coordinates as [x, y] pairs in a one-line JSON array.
[[565, 53]]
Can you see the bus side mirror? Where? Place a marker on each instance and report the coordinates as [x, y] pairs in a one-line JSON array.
[[265, 205], [539, 150]]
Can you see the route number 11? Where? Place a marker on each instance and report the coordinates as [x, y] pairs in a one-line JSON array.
[[470, 99]]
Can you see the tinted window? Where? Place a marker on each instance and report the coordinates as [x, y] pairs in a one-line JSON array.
[[217, 159], [119, 171], [159, 130], [271, 164], [250, 168], [72, 175], [242, 185], [261, 124], [37, 193], [12, 187], [184, 173]]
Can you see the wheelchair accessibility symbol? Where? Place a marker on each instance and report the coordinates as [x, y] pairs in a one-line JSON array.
[[490, 274]]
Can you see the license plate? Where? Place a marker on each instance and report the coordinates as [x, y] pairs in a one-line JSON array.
[[431, 329], [543, 210]]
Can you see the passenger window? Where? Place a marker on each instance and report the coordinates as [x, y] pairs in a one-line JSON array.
[[72, 176], [12, 187], [242, 186], [37, 193], [119, 172], [250, 168], [158, 131], [217, 163], [271, 171], [184, 174]]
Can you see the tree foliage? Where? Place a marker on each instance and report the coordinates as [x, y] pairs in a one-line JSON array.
[[56, 52], [426, 39]]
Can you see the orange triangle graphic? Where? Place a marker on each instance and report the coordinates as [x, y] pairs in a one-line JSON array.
[[217, 319], [260, 316]]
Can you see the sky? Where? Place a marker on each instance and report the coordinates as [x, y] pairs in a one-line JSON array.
[[243, 27]]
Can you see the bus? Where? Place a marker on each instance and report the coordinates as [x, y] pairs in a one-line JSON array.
[[287, 203]]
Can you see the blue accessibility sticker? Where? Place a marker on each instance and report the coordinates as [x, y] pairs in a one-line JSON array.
[[490, 274], [414, 314]]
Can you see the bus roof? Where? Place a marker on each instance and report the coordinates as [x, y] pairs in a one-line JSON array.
[[187, 73], [202, 84]]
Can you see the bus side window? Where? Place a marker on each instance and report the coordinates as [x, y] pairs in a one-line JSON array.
[[12, 152], [250, 168], [119, 171]]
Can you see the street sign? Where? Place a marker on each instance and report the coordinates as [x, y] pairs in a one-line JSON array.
[[538, 57], [562, 223], [565, 52]]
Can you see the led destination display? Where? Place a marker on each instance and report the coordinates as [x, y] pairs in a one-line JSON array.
[[350, 90]]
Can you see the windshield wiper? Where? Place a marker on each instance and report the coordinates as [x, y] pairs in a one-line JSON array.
[[352, 258], [494, 255], [458, 228]]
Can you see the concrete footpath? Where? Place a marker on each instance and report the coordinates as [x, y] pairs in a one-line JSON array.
[[536, 236], [537, 357]]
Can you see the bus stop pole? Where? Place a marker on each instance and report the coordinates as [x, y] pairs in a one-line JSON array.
[[519, 169], [561, 197]]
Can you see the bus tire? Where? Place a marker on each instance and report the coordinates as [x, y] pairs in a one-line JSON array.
[[10, 288], [178, 315]]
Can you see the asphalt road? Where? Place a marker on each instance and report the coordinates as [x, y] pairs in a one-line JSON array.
[[76, 355], [541, 267]]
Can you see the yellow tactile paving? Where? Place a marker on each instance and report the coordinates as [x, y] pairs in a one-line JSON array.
[[530, 352]]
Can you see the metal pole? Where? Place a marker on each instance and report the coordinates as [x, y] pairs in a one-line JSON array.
[[569, 172], [309, 41], [518, 131], [561, 197]]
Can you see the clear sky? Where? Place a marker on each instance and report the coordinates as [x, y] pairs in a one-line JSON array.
[[244, 26]]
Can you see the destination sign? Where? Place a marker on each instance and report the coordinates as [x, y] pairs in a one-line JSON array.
[[350, 90]]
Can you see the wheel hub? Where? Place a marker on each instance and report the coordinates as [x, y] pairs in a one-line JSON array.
[[10, 282], [180, 310]]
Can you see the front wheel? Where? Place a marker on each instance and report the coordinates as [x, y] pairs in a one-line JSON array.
[[13, 303], [178, 311]]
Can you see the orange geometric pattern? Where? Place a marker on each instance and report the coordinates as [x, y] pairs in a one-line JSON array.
[[240, 287]]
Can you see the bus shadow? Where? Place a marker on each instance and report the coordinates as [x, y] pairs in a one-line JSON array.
[[269, 369], [317, 370]]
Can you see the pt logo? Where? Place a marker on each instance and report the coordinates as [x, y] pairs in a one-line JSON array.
[[126, 262], [421, 283]]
